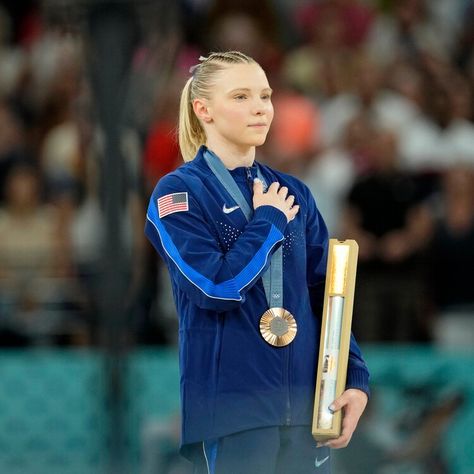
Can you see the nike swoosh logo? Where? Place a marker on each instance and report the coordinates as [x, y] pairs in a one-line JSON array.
[[228, 210], [318, 463]]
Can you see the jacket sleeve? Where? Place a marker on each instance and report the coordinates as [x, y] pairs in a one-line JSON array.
[[357, 371], [317, 251], [210, 277]]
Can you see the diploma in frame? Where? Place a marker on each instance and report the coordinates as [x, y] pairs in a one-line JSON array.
[[335, 337]]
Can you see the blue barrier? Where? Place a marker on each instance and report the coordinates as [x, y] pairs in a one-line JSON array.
[[51, 412], [53, 416]]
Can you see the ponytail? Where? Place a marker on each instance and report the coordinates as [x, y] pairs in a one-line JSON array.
[[191, 135]]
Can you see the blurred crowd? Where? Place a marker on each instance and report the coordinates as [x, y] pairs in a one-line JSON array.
[[374, 111]]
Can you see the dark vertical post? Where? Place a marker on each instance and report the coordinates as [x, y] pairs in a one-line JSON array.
[[111, 35]]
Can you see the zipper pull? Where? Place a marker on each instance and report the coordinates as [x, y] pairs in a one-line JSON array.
[[249, 179]]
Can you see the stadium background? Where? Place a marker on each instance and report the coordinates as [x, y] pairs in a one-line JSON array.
[[374, 111]]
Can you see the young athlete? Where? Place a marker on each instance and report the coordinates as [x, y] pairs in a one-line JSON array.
[[246, 249]]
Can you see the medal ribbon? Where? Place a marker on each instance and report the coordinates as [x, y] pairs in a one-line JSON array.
[[273, 277]]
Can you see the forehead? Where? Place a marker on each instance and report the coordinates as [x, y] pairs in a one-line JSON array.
[[241, 76]]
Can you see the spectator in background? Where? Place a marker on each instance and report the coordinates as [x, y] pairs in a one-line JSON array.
[[451, 257], [161, 151], [13, 149], [241, 31], [63, 83], [12, 57], [78, 195], [385, 216], [354, 17], [387, 107], [252, 26], [406, 81], [294, 138], [34, 266], [321, 67], [331, 174], [444, 136], [464, 48], [407, 33]]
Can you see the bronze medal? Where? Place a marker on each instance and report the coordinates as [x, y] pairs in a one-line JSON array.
[[278, 327]]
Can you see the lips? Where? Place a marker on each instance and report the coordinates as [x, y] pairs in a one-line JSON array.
[[258, 125]]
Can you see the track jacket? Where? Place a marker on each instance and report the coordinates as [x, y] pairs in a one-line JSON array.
[[231, 379]]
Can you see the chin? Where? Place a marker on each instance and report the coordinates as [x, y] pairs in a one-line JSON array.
[[259, 141]]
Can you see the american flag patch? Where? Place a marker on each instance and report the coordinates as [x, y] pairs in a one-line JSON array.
[[176, 202]]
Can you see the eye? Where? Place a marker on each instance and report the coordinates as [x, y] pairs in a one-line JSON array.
[[240, 97], [266, 96]]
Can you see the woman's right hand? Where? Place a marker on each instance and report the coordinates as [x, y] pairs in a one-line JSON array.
[[275, 196]]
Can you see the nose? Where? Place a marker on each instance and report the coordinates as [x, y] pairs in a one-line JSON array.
[[259, 107]]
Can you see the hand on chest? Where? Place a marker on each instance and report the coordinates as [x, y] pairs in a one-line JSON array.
[[230, 226]]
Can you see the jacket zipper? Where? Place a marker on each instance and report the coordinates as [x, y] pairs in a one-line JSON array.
[[250, 180], [287, 353]]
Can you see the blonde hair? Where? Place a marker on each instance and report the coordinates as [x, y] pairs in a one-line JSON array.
[[191, 134]]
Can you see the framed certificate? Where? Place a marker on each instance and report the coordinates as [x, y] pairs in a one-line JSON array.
[[335, 337]]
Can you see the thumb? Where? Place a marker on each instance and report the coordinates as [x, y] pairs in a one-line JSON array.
[[338, 403], [257, 186]]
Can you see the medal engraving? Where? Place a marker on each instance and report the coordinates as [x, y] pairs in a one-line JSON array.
[[278, 327]]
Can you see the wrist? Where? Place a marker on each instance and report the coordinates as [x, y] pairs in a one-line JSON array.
[[273, 215]]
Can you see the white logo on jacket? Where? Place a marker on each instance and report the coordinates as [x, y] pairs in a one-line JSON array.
[[228, 210], [318, 463]]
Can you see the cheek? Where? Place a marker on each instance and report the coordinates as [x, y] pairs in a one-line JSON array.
[[231, 114], [270, 114]]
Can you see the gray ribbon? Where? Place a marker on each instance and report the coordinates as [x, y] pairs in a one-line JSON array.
[[273, 277]]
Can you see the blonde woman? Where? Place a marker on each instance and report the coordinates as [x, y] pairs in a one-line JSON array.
[[246, 251]]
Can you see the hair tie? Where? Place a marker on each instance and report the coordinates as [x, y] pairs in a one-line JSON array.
[[192, 69]]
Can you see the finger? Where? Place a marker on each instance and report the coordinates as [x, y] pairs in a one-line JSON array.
[[339, 443], [332, 443], [349, 424], [292, 212], [290, 200], [257, 186], [273, 188], [343, 440], [283, 192]]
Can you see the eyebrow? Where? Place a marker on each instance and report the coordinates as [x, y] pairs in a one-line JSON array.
[[247, 89]]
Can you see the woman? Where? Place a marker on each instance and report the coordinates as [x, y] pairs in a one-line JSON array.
[[239, 238]]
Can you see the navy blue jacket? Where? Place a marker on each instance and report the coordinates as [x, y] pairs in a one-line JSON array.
[[231, 379]]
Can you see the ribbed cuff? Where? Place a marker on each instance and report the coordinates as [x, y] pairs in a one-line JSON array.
[[358, 378], [273, 215]]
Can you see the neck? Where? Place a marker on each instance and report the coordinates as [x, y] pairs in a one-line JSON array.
[[233, 156]]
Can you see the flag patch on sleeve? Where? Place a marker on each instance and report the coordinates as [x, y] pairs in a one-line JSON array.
[[175, 202]]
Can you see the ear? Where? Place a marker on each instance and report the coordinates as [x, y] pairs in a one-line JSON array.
[[201, 110]]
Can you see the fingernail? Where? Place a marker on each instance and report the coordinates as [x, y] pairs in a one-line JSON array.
[[331, 408], [256, 180]]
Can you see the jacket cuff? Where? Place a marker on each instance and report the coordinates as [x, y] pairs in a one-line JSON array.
[[272, 215], [359, 379]]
